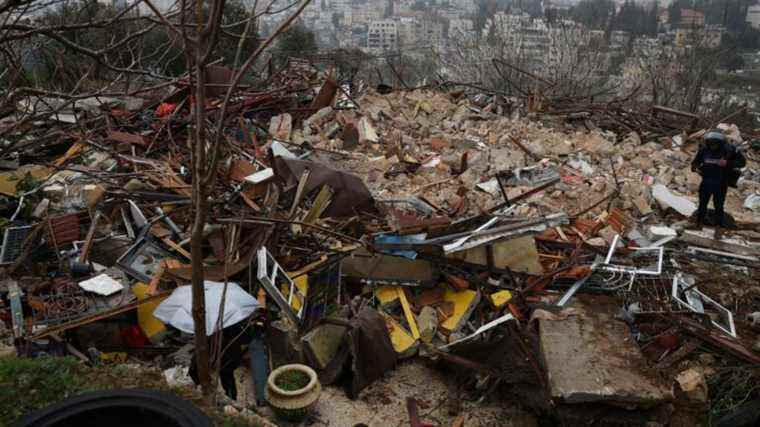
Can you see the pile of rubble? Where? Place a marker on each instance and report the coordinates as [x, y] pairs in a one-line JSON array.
[[543, 261]]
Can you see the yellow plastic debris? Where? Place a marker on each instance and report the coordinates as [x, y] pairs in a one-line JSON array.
[[402, 341], [386, 294], [114, 357], [153, 328], [408, 314], [9, 180], [464, 303], [302, 284], [499, 299]]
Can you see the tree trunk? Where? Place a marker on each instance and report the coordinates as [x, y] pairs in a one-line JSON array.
[[196, 234]]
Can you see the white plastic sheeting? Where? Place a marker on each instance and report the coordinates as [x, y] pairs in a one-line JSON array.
[[177, 309], [102, 285]]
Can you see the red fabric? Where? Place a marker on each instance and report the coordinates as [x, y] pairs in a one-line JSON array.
[[134, 337]]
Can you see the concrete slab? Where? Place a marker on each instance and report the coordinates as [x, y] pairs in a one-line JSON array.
[[592, 357], [322, 343]]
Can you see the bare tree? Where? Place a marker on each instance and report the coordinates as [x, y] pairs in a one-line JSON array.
[[523, 56], [674, 75], [95, 51], [199, 40]]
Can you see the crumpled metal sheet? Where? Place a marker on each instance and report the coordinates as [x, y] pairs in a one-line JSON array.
[[350, 193], [372, 352]]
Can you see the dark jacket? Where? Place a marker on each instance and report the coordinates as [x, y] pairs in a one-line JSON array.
[[707, 162]]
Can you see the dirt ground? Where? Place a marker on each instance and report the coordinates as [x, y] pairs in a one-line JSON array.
[[383, 404]]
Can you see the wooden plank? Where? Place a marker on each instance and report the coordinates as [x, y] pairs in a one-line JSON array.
[[718, 340], [176, 247], [408, 313], [129, 138], [321, 202], [88, 240], [663, 109], [74, 150], [686, 349]]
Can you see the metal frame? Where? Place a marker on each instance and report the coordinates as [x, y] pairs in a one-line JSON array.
[[17, 310], [694, 302], [624, 268], [269, 281], [4, 252], [573, 289], [125, 261], [485, 234], [490, 325], [695, 250]]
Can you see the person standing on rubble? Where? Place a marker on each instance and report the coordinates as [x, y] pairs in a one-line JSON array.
[[718, 162]]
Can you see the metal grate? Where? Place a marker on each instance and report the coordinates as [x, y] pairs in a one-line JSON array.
[[13, 243]]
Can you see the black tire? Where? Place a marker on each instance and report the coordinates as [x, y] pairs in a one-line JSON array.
[[746, 415], [116, 408]]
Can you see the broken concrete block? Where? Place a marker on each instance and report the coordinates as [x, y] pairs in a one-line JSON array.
[[93, 193], [752, 202], [608, 234], [732, 132], [642, 205], [350, 136], [427, 322], [367, 133], [281, 127], [100, 160], [318, 118], [657, 232], [439, 144], [54, 192], [598, 144], [667, 199], [560, 148], [692, 382], [643, 163], [321, 344], [469, 178], [592, 357], [331, 130]]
